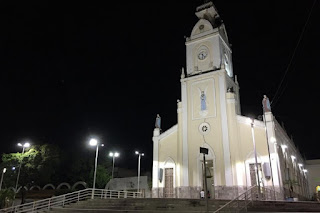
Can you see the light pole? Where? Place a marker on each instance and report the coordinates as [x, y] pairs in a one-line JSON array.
[[94, 142], [113, 155], [255, 154], [139, 154], [205, 151], [25, 145], [3, 171]]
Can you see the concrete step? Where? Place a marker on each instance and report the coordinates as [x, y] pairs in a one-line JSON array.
[[284, 206], [181, 205], [147, 203], [154, 200], [164, 207], [142, 205], [57, 210]]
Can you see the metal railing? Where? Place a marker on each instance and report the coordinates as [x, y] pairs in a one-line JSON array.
[[269, 194], [73, 197], [240, 203]]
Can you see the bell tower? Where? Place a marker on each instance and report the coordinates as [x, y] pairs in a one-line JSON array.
[[208, 47], [210, 101]]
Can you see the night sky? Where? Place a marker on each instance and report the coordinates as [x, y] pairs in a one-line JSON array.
[[72, 71]]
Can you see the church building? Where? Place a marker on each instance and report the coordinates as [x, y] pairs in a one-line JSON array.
[[242, 152]]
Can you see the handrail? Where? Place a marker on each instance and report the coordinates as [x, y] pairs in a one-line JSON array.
[[235, 199], [244, 199], [269, 194], [69, 198]]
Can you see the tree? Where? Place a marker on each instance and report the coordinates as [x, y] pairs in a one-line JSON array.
[[6, 197], [43, 164], [38, 165], [80, 167], [102, 178]]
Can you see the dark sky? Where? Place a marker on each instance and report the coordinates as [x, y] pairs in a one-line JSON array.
[[71, 71]]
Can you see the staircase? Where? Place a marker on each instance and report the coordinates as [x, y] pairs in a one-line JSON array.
[[161, 205], [284, 206], [145, 205], [123, 201]]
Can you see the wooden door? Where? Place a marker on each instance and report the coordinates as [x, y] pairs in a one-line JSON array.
[[168, 183]]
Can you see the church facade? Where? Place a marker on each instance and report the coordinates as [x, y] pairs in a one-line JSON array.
[[241, 152]]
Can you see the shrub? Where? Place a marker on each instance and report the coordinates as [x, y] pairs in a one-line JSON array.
[[6, 198]]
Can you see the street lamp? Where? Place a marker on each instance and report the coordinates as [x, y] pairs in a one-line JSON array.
[[139, 154], [255, 152], [25, 145], [113, 155], [94, 142], [3, 171]]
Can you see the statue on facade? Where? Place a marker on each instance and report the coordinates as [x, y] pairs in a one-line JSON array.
[[182, 73], [266, 104], [158, 122]]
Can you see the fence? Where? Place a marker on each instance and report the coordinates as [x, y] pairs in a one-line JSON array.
[[73, 197]]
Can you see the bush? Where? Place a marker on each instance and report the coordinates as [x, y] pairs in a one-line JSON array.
[[6, 198]]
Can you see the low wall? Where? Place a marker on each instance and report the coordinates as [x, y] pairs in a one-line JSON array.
[[130, 184]]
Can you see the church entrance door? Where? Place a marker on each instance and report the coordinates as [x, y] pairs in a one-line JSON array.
[[253, 174], [210, 177], [168, 183]]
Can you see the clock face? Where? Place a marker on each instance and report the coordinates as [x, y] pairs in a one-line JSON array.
[[202, 54]]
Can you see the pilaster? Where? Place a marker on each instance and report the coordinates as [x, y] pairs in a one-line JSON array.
[[272, 143], [155, 167], [185, 160], [225, 133]]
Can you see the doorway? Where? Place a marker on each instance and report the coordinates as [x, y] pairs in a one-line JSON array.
[[168, 183], [253, 174], [210, 177]]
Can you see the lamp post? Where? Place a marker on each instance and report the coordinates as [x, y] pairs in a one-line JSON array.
[[113, 155], [94, 142], [205, 151], [3, 171], [139, 154], [25, 145], [255, 154]]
